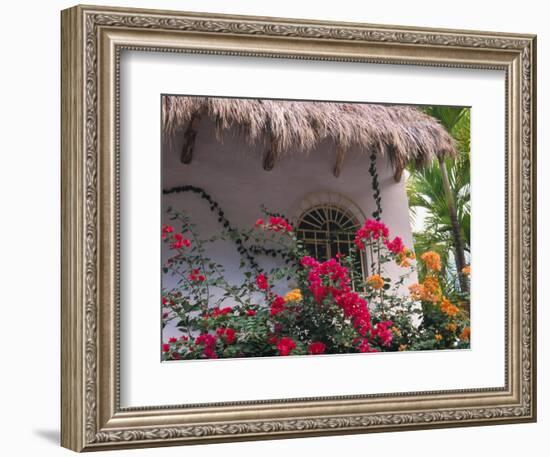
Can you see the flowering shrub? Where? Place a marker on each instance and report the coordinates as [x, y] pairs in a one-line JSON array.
[[321, 311]]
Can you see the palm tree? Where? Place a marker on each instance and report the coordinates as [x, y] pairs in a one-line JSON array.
[[443, 191]]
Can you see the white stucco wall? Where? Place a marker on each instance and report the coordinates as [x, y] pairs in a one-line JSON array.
[[231, 172]]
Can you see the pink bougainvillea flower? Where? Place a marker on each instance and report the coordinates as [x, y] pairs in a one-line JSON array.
[[285, 345], [165, 347], [316, 348], [259, 223]]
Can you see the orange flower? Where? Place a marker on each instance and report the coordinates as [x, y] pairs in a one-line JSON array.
[[375, 281], [467, 270], [293, 295], [428, 291], [451, 327], [465, 335], [448, 308], [396, 331], [417, 291], [432, 291], [438, 337], [404, 257], [402, 347], [432, 260]]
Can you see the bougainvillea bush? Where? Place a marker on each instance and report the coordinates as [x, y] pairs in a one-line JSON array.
[[304, 305]]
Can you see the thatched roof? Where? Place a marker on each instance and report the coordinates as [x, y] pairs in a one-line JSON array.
[[404, 133]]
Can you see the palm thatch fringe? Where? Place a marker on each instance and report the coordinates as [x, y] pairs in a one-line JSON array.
[[404, 133]]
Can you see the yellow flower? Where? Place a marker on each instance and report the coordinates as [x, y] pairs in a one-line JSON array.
[[293, 295], [451, 327], [438, 337], [375, 281], [432, 260], [467, 270], [448, 308], [465, 335]]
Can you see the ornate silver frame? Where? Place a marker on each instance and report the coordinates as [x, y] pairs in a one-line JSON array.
[[92, 40]]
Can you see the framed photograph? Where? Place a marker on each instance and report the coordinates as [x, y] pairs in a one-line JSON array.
[[277, 228]]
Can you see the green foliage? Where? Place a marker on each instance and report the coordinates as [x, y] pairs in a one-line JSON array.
[[426, 193]]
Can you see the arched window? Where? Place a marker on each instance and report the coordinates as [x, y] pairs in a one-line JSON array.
[[326, 230]]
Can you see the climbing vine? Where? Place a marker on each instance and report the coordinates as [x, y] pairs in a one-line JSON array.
[[375, 183], [249, 253]]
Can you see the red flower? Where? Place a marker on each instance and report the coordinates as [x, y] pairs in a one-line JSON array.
[[279, 224], [383, 332], [184, 338], [172, 340], [277, 306], [210, 353], [165, 347], [166, 229], [331, 279], [196, 276], [222, 312], [395, 246], [365, 347], [164, 301], [274, 223], [309, 262], [316, 348], [285, 345], [227, 334], [178, 241], [371, 230], [261, 282], [209, 345], [273, 339], [327, 278], [250, 312]]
